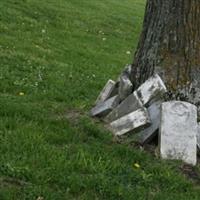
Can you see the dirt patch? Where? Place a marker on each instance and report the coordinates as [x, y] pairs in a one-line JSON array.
[[191, 172], [73, 115], [10, 182]]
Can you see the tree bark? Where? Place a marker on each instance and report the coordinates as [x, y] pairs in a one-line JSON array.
[[169, 44]]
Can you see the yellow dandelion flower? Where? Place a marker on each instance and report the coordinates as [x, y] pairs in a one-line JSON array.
[[136, 165]]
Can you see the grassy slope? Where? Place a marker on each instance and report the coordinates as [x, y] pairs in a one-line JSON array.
[[53, 51]]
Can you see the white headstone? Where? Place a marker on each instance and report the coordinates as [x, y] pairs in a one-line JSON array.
[[106, 92], [134, 120], [178, 130], [153, 88]]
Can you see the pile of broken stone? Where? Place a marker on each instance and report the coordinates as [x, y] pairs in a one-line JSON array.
[[145, 113]]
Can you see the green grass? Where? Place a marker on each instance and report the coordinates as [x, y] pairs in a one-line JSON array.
[[53, 51]]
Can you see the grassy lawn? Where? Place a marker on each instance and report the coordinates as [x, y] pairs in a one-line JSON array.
[[55, 57]]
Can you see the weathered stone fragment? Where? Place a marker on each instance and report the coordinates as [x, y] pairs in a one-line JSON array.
[[178, 130], [130, 104], [130, 122], [107, 91], [125, 87], [153, 88], [127, 71], [195, 74], [147, 134], [194, 96], [103, 108]]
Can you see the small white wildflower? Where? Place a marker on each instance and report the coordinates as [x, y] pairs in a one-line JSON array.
[[101, 32], [128, 52]]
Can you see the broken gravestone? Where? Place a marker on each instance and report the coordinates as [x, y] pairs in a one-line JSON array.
[[125, 84], [153, 88], [178, 130], [130, 122], [148, 133], [125, 87], [103, 108], [107, 92], [130, 104]]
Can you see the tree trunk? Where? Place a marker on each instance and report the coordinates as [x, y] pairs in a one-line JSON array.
[[169, 44]]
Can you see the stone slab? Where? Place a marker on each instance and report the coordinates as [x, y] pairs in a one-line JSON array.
[[103, 108], [147, 134], [195, 74], [125, 87], [130, 122], [106, 92], [130, 104], [126, 72], [153, 88], [178, 130]]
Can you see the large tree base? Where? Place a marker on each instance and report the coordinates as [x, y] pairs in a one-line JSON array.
[[169, 44]]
